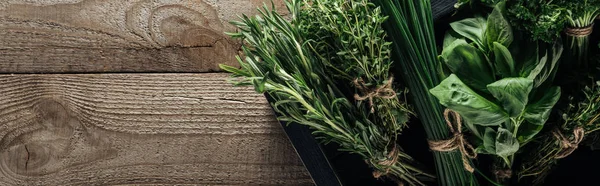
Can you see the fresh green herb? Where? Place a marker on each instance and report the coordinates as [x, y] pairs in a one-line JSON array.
[[580, 19], [580, 118], [410, 27], [504, 99], [540, 19], [286, 59], [348, 35]]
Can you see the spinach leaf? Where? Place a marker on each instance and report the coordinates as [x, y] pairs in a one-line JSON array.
[[455, 95], [498, 28], [450, 37], [504, 62], [472, 29], [537, 113], [513, 93], [506, 144], [469, 64], [489, 141]]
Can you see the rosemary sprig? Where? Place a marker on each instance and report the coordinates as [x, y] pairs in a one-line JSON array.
[[283, 61]]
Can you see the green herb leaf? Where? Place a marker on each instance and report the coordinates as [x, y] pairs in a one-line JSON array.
[[551, 67], [506, 144], [455, 95], [513, 93], [527, 54], [469, 64], [498, 28], [450, 37], [471, 28], [527, 131], [505, 65], [489, 141], [538, 112]]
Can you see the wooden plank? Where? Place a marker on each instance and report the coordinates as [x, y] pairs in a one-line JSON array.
[[56, 36], [110, 129]]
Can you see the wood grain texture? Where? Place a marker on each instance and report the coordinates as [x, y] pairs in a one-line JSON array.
[[56, 36], [154, 129]]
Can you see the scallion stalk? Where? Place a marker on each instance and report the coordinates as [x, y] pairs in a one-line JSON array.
[[410, 27]]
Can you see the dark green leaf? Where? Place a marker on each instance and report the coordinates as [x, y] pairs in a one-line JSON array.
[[442, 69], [471, 28], [489, 140], [455, 95], [513, 93], [539, 66], [469, 64], [527, 57], [550, 67], [538, 112], [527, 131], [450, 37], [498, 28], [505, 65]]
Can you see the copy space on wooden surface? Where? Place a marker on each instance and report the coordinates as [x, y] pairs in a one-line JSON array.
[[110, 129], [57, 36]]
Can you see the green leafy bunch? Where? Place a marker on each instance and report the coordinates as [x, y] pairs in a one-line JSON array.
[[540, 19], [582, 111], [410, 27], [283, 60], [348, 36], [504, 97], [580, 13]]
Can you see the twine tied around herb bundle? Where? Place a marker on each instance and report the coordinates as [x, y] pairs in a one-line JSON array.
[[385, 91], [580, 32], [568, 146], [456, 142], [391, 159]]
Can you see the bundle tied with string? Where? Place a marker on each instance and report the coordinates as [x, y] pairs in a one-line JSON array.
[[580, 32], [568, 146], [456, 142], [390, 160], [384, 91]]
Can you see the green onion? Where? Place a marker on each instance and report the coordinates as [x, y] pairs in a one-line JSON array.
[[410, 27]]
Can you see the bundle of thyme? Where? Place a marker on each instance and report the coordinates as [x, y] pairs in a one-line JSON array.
[[306, 66], [580, 118]]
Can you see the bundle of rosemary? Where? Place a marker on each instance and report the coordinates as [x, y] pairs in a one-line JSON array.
[[328, 68]]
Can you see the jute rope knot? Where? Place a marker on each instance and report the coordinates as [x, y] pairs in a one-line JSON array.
[[391, 159], [456, 142], [385, 91], [568, 146], [580, 32]]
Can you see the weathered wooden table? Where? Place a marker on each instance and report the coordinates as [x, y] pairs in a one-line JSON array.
[[109, 92]]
